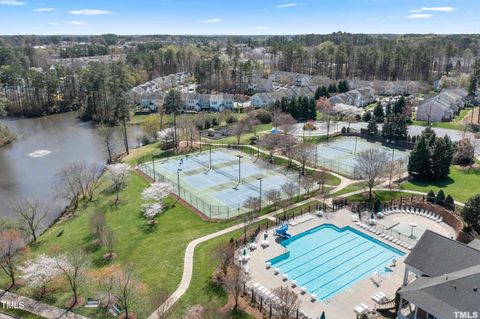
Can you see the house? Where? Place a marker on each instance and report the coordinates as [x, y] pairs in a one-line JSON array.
[[207, 102], [260, 85], [447, 279], [359, 97], [442, 107], [290, 78]]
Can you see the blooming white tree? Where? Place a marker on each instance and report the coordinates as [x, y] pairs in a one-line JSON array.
[[38, 272], [118, 173], [155, 194]]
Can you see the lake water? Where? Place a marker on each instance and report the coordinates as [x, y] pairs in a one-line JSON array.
[[44, 146]]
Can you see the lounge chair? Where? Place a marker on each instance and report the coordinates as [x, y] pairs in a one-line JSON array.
[[361, 308], [379, 297], [440, 220]]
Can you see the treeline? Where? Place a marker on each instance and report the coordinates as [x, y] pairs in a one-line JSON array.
[[84, 50], [375, 57], [300, 108]]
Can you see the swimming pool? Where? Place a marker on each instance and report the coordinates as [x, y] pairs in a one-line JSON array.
[[328, 259]]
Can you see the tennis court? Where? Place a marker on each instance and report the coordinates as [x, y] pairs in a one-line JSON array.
[[339, 155], [209, 181]]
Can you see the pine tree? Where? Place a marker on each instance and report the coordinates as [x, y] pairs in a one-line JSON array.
[[372, 127], [449, 202], [431, 196], [440, 159], [378, 113], [440, 199], [419, 160], [366, 117], [399, 106]]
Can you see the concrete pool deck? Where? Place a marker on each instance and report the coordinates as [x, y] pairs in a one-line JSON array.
[[341, 305]]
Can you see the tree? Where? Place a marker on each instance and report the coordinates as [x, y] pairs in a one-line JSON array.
[[440, 199], [471, 212], [173, 105], [151, 125], [239, 129], [69, 183], [464, 152], [372, 165], [107, 138], [288, 302], [233, 283], [431, 197], [74, 268], [327, 113], [419, 160], [272, 142], [283, 121], [289, 188], [308, 184], [441, 159], [39, 272], [155, 194], [31, 215], [10, 245], [304, 153], [118, 174], [159, 298], [252, 203], [108, 240], [97, 224], [395, 127], [367, 116], [449, 202], [224, 254], [274, 196], [378, 113], [372, 127], [399, 106]]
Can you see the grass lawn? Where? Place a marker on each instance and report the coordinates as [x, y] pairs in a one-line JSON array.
[[157, 255], [351, 188], [455, 124], [384, 196], [244, 139], [462, 183]]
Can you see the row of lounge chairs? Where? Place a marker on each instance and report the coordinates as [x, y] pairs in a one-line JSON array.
[[300, 219], [386, 236], [414, 211]]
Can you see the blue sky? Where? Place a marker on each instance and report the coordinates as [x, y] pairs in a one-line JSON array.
[[238, 17]]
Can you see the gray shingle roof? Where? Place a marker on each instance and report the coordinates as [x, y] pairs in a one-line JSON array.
[[435, 255], [445, 294]]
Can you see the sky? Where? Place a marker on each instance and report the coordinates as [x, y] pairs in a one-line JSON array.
[[44, 17]]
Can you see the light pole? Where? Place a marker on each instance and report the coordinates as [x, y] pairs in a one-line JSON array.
[[153, 165], [210, 165], [299, 182], [260, 180], [239, 168], [316, 152], [355, 151], [178, 181], [391, 168]]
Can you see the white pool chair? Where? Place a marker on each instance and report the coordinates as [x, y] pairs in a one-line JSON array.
[[313, 297], [294, 283], [276, 271], [268, 265], [303, 289], [410, 247], [383, 235], [379, 297], [440, 220]]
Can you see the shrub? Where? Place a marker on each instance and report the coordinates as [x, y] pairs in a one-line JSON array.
[[231, 119], [207, 124], [263, 116], [377, 205], [471, 212], [449, 202], [367, 116], [431, 197], [214, 121], [440, 199], [344, 130]]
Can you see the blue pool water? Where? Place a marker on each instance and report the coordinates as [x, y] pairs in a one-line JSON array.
[[327, 259]]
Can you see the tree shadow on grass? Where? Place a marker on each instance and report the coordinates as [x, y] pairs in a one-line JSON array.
[[440, 184], [213, 289], [101, 262]]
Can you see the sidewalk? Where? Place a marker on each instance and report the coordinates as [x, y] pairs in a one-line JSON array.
[[37, 307]]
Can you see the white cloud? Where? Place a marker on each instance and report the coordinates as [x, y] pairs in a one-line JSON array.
[[215, 20], [44, 9], [12, 3], [90, 12], [261, 27], [440, 9], [76, 22], [419, 16], [53, 23], [415, 10], [288, 5]]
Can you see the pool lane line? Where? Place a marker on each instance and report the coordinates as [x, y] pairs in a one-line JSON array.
[[353, 280], [330, 250], [342, 263], [308, 252]]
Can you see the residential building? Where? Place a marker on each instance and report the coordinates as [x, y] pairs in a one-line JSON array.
[[442, 107], [359, 97], [207, 102], [447, 280]]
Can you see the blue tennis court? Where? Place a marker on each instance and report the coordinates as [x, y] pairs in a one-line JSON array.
[[327, 259]]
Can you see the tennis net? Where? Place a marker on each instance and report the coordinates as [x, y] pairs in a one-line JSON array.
[[342, 149]]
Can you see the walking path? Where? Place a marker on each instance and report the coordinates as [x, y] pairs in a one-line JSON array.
[[36, 307], [189, 255]]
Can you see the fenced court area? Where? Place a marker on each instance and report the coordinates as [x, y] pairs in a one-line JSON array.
[[340, 154], [209, 181]]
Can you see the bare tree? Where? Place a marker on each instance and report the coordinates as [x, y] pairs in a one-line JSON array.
[[127, 289], [327, 113], [289, 189], [118, 174], [252, 203], [274, 196], [272, 142], [283, 121], [239, 129], [31, 215], [308, 184], [69, 183], [233, 283], [159, 299], [224, 254], [10, 244], [372, 165], [107, 138], [289, 144], [74, 268], [90, 180], [288, 302], [97, 224], [108, 240], [304, 153], [252, 122]]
